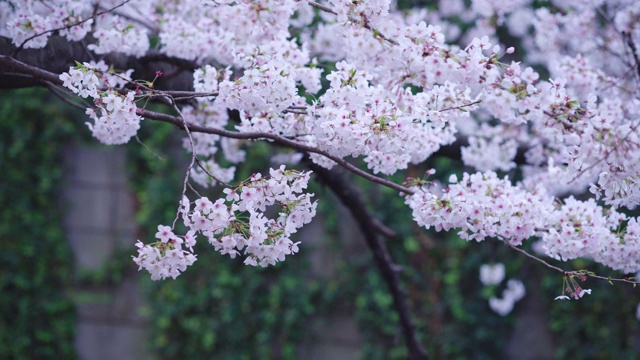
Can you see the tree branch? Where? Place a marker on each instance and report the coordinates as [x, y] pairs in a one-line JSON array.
[[7, 62], [179, 122], [60, 54], [634, 51], [350, 197], [634, 282]]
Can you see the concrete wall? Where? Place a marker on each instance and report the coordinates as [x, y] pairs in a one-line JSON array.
[[100, 218]]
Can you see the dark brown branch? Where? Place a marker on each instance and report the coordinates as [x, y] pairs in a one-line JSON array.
[[350, 197], [9, 64], [14, 65], [159, 57], [60, 54]]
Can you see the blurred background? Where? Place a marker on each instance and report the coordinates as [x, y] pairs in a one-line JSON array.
[[72, 211]]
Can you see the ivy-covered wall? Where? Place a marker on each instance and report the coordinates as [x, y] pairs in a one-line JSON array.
[[37, 315]]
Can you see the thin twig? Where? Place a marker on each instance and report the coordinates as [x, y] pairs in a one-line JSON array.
[[148, 148], [193, 157], [536, 258], [291, 111], [179, 95], [565, 272], [150, 27], [322, 7], [461, 106], [61, 95], [193, 189], [606, 154], [199, 163]]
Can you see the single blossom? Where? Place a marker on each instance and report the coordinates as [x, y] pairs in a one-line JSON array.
[[492, 274]]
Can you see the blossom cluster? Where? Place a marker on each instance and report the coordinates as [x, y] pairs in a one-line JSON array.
[[196, 31], [260, 88], [482, 205], [571, 288], [370, 11], [114, 116], [256, 218], [116, 35], [31, 21], [389, 130], [167, 257], [585, 229]]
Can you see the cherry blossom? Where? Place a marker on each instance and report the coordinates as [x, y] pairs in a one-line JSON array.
[[571, 288], [491, 274], [360, 85], [114, 115], [513, 293]]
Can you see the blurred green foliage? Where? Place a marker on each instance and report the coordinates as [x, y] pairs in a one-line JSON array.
[[598, 326], [37, 318]]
